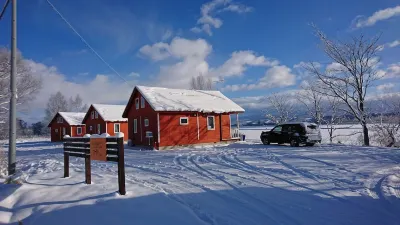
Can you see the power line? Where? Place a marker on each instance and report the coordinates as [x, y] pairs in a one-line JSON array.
[[84, 41], [4, 9]]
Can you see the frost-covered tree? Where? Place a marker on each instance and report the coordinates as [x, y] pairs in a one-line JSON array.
[[349, 77], [56, 103], [201, 83], [27, 86], [76, 104], [387, 132], [281, 108]]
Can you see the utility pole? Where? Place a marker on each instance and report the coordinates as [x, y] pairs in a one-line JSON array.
[[13, 97]]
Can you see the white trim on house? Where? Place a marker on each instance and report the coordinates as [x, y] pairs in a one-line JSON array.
[[64, 131], [230, 126], [98, 128], [208, 125], [96, 115], [141, 130], [135, 126], [119, 127], [106, 127], [158, 127], [77, 130], [198, 127], [183, 118]]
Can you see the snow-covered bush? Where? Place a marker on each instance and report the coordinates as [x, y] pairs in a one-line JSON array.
[[387, 134]]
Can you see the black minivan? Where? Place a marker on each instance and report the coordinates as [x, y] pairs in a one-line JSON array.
[[293, 133]]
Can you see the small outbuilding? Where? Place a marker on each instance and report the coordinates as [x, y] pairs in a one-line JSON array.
[[67, 123], [165, 118], [101, 118]]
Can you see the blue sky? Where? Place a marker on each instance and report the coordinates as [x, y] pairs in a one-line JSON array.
[[254, 45]]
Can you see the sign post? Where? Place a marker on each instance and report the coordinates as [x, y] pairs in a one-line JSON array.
[[100, 148]]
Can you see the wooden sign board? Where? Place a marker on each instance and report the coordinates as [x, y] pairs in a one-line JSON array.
[[98, 149]]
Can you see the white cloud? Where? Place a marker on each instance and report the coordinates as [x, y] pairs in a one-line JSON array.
[[156, 52], [393, 71], [209, 10], [134, 75], [277, 76], [101, 89], [239, 61], [385, 87], [377, 16], [394, 43], [192, 61]]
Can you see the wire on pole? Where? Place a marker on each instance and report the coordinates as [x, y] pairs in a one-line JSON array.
[[4, 9], [85, 42]]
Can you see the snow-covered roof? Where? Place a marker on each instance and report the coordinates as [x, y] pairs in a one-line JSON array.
[[73, 118], [111, 113], [167, 99]]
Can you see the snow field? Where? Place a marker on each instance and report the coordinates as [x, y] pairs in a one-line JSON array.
[[241, 183]]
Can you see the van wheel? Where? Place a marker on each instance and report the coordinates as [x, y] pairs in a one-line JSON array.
[[294, 143], [265, 141]]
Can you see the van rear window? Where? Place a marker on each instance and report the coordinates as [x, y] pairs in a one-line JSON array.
[[312, 126]]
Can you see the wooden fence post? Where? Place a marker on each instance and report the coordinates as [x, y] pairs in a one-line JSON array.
[[66, 164], [88, 172], [121, 166]]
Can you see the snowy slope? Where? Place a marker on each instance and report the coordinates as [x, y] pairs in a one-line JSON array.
[[242, 183]]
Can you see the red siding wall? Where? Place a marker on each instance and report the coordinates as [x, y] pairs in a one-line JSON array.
[[91, 124], [141, 114], [69, 130], [123, 126], [172, 133]]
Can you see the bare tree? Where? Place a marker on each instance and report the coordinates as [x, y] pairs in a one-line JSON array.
[[201, 83], [349, 78], [76, 104], [280, 108], [387, 132], [312, 99], [27, 86], [56, 103]]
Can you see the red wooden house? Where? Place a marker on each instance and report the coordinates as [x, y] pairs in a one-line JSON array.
[[66, 123], [102, 118], [166, 118]]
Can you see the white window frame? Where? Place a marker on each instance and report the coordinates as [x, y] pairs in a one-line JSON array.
[[56, 130], [64, 131], [149, 132], [79, 130], [183, 124], [60, 120], [142, 102], [92, 115], [96, 115], [146, 122], [119, 127], [90, 128], [135, 126], [137, 103], [208, 125], [98, 128]]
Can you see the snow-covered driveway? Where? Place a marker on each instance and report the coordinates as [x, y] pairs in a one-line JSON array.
[[243, 183]]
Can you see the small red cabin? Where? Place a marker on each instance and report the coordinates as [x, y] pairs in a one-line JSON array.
[[166, 118], [67, 123], [102, 118]]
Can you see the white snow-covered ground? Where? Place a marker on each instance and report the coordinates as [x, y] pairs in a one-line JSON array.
[[242, 183]]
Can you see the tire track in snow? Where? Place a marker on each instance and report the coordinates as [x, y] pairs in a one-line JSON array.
[[260, 171], [254, 199]]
